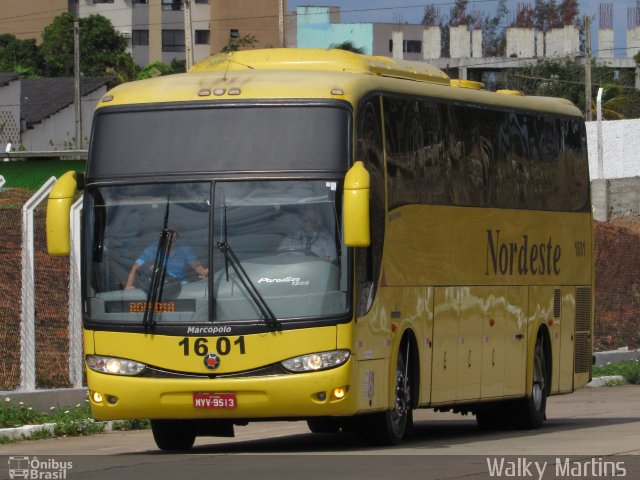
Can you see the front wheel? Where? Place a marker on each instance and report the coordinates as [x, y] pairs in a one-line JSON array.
[[530, 412], [173, 434], [390, 427]]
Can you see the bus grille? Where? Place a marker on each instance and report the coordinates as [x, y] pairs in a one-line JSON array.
[[582, 360], [583, 309]]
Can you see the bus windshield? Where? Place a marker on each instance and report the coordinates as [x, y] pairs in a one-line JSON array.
[[242, 251]]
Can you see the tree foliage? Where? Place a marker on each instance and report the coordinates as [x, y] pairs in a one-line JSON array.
[[494, 39], [564, 78], [242, 43], [101, 46], [19, 55], [552, 78], [347, 45], [458, 14]]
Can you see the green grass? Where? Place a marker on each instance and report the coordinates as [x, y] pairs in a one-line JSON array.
[[32, 174], [630, 370], [70, 421]]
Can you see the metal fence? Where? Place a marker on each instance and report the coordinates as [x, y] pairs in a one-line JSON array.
[[40, 327]]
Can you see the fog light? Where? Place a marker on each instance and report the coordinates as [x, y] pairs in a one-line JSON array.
[[339, 393], [112, 400], [97, 397], [321, 396]]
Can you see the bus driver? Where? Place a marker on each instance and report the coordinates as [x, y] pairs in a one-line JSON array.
[[312, 239]]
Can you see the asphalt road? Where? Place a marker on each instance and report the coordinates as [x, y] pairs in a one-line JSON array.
[[592, 433]]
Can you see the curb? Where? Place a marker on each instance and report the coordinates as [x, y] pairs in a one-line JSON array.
[[25, 431], [604, 381], [18, 433]]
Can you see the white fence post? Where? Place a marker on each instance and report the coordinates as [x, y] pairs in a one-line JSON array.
[[75, 302], [27, 320], [599, 132]]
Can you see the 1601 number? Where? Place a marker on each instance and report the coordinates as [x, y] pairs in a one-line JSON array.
[[200, 346]]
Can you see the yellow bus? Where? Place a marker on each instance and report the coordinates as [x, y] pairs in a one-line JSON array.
[[325, 236]]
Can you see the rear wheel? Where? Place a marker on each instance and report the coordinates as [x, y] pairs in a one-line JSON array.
[[173, 434], [530, 412], [389, 428]]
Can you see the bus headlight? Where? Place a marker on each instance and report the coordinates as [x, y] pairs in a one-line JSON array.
[[114, 366], [316, 361]]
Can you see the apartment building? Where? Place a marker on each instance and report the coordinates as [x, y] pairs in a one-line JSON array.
[[156, 28], [27, 19]]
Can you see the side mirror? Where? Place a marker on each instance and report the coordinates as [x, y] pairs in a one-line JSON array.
[[356, 206], [58, 213]]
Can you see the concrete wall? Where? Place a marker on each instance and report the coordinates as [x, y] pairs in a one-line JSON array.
[[617, 195], [562, 41], [10, 114], [397, 39], [476, 43], [606, 46], [633, 41], [383, 32], [539, 44], [521, 42], [620, 144], [624, 198], [57, 132], [431, 43], [618, 198], [459, 42]]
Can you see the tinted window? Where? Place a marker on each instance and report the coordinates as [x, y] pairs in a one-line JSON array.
[[369, 150], [446, 154], [219, 139]]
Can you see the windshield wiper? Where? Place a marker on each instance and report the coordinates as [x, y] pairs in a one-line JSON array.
[[248, 284], [159, 272]]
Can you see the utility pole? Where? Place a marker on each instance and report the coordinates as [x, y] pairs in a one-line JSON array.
[[587, 69], [188, 40], [281, 23], [76, 82]]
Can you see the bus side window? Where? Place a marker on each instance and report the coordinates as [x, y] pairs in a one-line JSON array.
[[369, 150]]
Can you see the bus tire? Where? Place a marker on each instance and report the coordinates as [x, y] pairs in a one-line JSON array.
[[173, 434], [390, 427], [529, 413]]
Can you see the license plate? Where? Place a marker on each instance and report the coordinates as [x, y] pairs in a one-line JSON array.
[[215, 400]]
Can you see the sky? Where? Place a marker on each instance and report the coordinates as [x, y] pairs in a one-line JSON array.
[[411, 11]]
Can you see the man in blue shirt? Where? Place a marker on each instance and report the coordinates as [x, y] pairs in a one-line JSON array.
[[180, 256]]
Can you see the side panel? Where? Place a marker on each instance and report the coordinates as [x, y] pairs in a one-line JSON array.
[[494, 328], [378, 336], [567, 327], [515, 340], [445, 345], [472, 316]]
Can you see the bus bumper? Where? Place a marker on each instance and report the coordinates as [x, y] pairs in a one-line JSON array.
[[323, 393]]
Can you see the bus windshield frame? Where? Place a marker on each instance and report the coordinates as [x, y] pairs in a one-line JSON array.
[[195, 199]]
